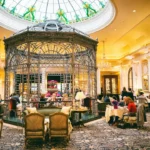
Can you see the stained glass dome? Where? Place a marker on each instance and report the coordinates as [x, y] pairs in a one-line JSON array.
[[66, 11]]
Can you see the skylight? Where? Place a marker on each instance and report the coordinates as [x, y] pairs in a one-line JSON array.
[[67, 11]]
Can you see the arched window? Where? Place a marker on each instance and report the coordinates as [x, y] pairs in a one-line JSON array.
[[130, 78]]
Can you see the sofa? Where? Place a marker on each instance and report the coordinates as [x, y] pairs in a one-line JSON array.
[[46, 111]]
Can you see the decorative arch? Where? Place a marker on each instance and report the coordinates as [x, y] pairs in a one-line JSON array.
[[130, 78]]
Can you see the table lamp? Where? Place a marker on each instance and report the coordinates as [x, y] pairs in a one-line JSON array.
[[80, 96]]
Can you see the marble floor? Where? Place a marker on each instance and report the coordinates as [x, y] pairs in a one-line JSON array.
[[97, 135]]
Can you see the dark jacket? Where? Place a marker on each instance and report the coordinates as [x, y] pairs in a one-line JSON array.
[[124, 93], [130, 94]]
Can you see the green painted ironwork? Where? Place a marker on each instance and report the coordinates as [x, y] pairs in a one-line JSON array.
[[88, 9], [29, 14], [2, 3], [102, 4], [77, 18], [13, 10], [62, 16], [37, 12]]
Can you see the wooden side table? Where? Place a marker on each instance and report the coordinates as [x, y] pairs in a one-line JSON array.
[[1, 126], [80, 111]]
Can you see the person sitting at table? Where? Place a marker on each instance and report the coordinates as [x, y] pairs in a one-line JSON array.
[[34, 99], [52, 99], [114, 119], [122, 102], [42, 99], [106, 99], [65, 98], [114, 102], [131, 107]]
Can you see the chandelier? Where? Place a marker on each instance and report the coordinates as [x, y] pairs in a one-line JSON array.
[[104, 63]]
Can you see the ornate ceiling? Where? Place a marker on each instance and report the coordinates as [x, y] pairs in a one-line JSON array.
[[128, 34], [87, 16]]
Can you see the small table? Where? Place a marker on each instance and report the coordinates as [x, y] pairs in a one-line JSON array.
[[110, 111], [80, 111]]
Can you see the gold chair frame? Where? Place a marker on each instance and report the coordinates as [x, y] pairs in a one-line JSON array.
[[34, 127], [58, 125]]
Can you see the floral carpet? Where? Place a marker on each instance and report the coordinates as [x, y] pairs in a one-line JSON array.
[[97, 135]]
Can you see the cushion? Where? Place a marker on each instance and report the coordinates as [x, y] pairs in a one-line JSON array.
[[31, 109], [66, 109]]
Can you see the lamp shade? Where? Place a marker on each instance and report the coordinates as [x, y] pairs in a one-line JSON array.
[[80, 95]]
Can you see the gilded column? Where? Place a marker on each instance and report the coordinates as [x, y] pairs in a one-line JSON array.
[[148, 72], [98, 81]]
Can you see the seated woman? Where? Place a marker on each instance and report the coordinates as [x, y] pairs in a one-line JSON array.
[[131, 107], [34, 100], [52, 99]]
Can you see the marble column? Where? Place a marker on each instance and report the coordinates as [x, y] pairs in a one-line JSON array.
[[98, 81], [139, 75], [134, 70], [148, 73], [43, 85]]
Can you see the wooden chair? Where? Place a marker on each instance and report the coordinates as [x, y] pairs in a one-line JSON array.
[[59, 125], [102, 108], [34, 127]]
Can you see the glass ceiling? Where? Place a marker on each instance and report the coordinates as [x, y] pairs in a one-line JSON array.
[[67, 11]]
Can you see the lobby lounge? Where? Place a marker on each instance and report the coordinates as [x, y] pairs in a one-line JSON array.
[[59, 64]]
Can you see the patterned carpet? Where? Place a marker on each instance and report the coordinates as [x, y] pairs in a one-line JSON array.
[[97, 135]]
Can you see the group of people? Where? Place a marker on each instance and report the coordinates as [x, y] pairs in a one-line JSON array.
[[129, 93], [132, 108]]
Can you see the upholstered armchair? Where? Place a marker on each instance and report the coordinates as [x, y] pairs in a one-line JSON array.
[[34, 127], [59, 125]]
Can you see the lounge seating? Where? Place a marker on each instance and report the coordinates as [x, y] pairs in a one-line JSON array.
[[130, 119], [34, 127], [59, 125]]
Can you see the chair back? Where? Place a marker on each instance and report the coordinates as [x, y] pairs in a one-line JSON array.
[[58, 124], [34, 124]]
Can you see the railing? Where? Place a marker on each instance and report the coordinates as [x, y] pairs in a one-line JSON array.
[[15, 115]]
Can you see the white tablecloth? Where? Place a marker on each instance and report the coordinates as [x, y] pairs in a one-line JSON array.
[[110, 111]]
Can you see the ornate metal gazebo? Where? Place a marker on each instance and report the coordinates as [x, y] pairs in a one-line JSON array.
[[50, 48]]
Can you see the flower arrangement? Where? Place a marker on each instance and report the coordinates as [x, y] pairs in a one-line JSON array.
[[52, 84]]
